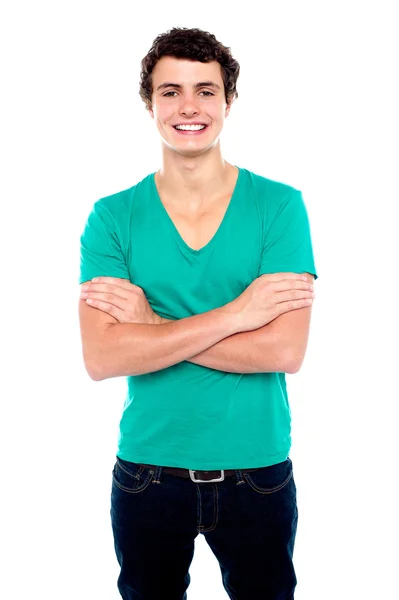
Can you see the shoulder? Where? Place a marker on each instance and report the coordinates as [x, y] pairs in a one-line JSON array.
[[120, 203], [267, 188]]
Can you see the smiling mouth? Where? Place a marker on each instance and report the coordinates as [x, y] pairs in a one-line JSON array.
[[191, 131]]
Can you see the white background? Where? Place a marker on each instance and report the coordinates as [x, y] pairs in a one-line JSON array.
[[317, 109]]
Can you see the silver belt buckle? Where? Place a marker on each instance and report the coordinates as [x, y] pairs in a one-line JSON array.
[[193, 478]]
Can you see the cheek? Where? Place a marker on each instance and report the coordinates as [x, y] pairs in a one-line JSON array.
[[216, 111], [164, 111], [164, 116]]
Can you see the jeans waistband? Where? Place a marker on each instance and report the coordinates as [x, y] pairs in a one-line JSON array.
[[200, 475]]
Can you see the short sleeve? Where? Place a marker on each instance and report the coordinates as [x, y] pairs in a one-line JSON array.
[[288, 245], [101, 253]]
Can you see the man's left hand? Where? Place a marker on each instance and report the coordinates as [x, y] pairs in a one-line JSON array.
[[121, 299]]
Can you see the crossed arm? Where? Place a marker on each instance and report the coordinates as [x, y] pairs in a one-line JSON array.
[[279, 346]]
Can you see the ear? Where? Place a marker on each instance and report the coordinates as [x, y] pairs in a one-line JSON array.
[[227, 111], [151, 112]]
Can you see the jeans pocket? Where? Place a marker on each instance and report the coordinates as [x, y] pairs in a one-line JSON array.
[[131, 477], [270, 480]]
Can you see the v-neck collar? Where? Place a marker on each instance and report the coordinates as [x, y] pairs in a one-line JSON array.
[[173, 227]]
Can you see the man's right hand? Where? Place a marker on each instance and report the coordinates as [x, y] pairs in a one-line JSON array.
[[268, 297]]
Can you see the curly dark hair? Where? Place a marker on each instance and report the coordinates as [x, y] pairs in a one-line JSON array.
[[191, 44]]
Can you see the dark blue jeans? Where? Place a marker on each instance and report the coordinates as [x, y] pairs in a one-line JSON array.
[[249, 520]]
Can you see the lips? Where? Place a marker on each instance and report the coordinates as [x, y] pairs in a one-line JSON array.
[[190, 132], [196, 123]]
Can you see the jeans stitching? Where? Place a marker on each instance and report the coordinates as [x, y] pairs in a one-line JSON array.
[[268, 491], [130, 490], [128, 473]]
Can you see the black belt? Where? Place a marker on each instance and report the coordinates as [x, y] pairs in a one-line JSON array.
[[200, 476]]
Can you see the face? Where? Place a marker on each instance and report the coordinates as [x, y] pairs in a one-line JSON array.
[[177, 99]]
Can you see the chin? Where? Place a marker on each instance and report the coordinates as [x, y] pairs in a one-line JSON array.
[[191, 153], [185, 150]]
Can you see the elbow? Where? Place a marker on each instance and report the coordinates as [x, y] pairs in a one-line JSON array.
[[94, 368], [94, 372], [96, 376], [98, 370], [292, 364], [292, 368]]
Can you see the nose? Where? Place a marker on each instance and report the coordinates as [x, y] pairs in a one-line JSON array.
[[189, 105]]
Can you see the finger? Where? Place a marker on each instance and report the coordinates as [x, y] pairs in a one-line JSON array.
[[111, 299], [292, 284], [105, 288], [106, 307], [284, 307], [294, 295], [124, 283], [283, 276]]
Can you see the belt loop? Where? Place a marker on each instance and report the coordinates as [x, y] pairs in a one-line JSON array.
[[239, 476], [157, 475]]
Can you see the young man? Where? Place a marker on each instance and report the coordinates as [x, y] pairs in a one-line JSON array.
[[203, 301]]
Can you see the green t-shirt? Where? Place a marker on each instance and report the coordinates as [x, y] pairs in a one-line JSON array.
[[188, 415]]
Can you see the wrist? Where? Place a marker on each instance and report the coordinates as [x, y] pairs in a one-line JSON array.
[[230, 317]]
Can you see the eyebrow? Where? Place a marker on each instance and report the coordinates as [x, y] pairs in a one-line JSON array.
[[197, 85]]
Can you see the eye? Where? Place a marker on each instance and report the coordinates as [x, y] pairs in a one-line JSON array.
[[167, 94]]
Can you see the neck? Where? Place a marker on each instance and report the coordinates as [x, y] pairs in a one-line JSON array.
[[198, 178]]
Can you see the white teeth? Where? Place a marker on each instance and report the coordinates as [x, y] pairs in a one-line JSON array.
[[190, 127]]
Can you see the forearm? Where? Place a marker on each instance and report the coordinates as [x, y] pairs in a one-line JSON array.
[[138, 348], [247, 352]]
